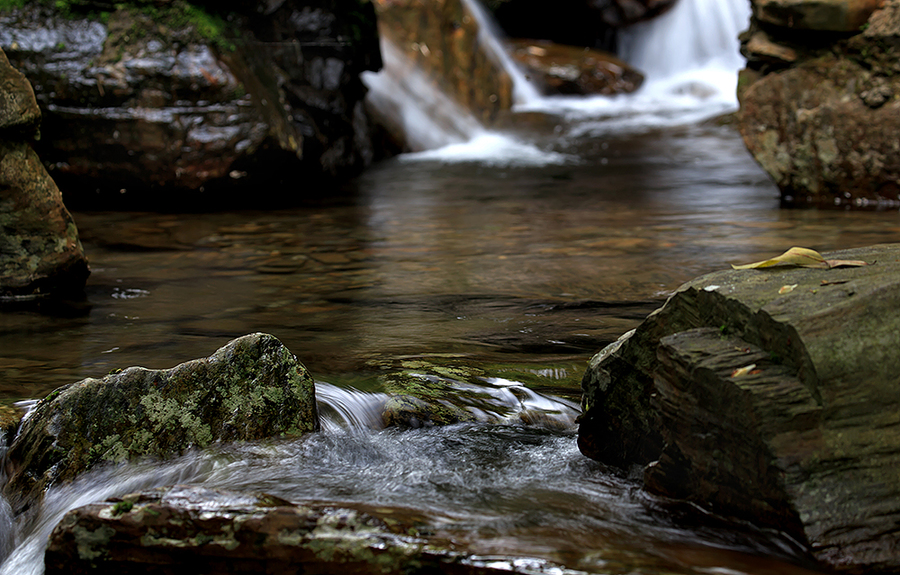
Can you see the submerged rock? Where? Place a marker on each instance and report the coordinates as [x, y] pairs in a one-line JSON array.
[[149, 101], [770, 395], [174, 529], [426, 394], [819, 110], [40, 252], [253, 388]]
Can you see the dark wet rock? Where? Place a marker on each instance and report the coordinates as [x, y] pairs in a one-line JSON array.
[[769, 395], [40, 253], [253, 388], [152, 101], [560, 69], [818, 100], [179, 529], [818, 15], [591, 23]]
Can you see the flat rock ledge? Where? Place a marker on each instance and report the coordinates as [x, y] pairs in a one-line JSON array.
[[770, 395], [184, 529], [251, 389]]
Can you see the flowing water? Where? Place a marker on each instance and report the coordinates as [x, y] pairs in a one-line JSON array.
[[521, 255]]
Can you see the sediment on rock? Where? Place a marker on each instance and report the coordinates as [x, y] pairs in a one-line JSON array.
[[253, 388]]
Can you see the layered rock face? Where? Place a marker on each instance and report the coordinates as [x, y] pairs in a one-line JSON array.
[[819, 106], [769, 395], [253, 388], [158, 99], [40, 252]]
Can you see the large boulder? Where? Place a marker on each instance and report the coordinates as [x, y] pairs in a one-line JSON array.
[[40, 252], [769, 395], [152, 100], [253, 388], [182, 529], [818, 105]]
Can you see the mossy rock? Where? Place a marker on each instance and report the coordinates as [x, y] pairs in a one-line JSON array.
[[251, 389]]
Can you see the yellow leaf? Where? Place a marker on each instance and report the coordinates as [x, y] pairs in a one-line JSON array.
[[801, 257], [741, 371], [845, 263]]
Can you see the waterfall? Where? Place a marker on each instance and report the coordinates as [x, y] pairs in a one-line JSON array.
[[690, 56]]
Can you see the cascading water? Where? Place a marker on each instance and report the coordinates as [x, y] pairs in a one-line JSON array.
[[690, 56]]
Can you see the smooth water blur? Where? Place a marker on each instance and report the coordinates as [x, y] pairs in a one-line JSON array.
[[499, 491]]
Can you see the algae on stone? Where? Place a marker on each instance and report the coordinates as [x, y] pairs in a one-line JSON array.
[[253, 388]]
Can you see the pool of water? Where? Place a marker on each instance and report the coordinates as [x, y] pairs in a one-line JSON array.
[[473, 263]]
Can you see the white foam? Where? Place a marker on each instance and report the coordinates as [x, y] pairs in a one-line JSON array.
[[690, 56], [492, 149]]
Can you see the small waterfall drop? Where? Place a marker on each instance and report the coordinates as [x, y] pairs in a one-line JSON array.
[[690, 56]]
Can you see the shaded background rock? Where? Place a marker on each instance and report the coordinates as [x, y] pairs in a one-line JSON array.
[[769, 395], [253, 388], [818, 100], [590, 23], [152, 100], [561, 69], [40, 252]]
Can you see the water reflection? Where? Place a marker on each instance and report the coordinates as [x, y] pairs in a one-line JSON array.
[[528, 264]]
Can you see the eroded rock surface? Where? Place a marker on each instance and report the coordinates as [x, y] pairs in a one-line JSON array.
[[769, 395], [40, 252], [819, 106], [253, 388]]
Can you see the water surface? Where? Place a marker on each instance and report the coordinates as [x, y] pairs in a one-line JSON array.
[[487, 264]]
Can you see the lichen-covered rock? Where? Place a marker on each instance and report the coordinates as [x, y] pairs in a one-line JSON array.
[[19, 111], [172, 529], [155, 100], [818, 100], [40, 252], [253, 388], [769, 395]]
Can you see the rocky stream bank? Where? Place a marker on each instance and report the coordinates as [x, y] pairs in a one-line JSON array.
[[769, 395], [819, 100]]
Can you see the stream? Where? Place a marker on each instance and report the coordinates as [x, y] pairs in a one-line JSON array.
[[516, 270], [518, 256]]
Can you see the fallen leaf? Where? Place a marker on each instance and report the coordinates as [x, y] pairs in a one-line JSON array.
[[743, 370], [801, 257], [845, 263], [787, 289], [793, 257], [833, 283]]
